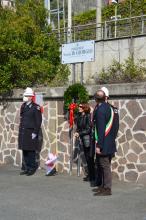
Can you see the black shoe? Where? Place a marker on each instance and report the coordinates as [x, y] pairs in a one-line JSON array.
[[104, 192], [23, 172], [30, 172], [99, 189], [86, 179], [52, 173], [93, 184]]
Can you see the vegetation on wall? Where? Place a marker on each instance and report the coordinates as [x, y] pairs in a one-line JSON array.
[[85, 18], [128, 71], [138, 7], [29, 56]]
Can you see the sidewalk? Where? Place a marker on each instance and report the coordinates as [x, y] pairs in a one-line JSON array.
[[64, 197]]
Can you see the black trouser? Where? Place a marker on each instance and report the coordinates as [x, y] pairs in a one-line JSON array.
[[103, 171], [29, 160], [37, 159], [90, 163]]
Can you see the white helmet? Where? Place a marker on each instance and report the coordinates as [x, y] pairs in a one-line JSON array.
[[105, 90], [28, 92]]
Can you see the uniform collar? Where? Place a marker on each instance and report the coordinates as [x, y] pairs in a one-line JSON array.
[[28, 103]]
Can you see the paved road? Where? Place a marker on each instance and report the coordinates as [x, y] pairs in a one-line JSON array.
[[65, 198]]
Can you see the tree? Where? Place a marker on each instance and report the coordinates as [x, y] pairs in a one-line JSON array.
[[29, 53]]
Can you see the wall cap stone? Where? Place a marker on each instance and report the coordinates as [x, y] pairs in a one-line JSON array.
[[122, 89]]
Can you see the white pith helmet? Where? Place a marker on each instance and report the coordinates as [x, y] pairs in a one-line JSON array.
[[28, 92], [105, 90]]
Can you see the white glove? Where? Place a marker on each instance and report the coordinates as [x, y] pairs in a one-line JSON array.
[[33, 136]]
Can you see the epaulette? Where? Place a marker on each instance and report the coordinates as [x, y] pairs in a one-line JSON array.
[[37, 107]]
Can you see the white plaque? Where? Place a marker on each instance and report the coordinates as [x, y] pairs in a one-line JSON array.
[[78, 52]]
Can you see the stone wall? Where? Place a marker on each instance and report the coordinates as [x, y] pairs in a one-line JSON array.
[[130, 161]]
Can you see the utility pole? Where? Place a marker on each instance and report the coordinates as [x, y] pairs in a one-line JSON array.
[[98, 19], [58, 16], [115, 20], [64, 14], [47, 5], [115, 2], [69, 20], [131, 37]]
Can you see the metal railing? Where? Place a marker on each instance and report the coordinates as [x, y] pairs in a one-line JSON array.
[[125, 27]]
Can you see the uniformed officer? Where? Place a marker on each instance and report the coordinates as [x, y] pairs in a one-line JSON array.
[[30, 125], [105, 141]]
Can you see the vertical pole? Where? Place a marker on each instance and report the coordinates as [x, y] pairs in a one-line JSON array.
[[142, 24], [64, 26], [73, 73], [105, 30], [58, 15], [78, 157], [71, 149], [131, 38], [115, 20], [82, 70], [130, 19], [98, 19], [69, 25], [69, 20], [47, 6]]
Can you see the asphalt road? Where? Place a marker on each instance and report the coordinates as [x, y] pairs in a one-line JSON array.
[[64, 197]]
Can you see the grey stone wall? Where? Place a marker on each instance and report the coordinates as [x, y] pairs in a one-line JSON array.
[[130, 161]]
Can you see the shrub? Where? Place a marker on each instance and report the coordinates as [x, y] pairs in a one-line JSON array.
[[129, 71]]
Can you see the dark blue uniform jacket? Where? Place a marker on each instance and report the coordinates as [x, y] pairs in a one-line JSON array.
[[30, 122], [102, 116]]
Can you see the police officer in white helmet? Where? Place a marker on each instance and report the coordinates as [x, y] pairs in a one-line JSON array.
[[29, 128]]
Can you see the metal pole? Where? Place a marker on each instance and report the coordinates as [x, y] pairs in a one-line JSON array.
[[58, 15], [98, 19], [64, 20], [115, 20], [73, 73], [78, 158], [69, 20], [64, 14], [71, 149], [82, 70], [47, 6], [131, 38], [142, 24], [105, 30]]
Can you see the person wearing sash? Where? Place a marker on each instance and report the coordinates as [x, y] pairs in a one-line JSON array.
[[115, 109], [105, 146]]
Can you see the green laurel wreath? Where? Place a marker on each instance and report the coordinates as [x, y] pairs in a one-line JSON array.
[[76, 93]]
